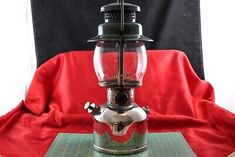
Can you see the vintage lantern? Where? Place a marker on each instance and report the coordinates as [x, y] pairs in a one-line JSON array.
[[120, 60]]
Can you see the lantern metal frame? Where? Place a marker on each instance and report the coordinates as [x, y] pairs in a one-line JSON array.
[[120, 116]]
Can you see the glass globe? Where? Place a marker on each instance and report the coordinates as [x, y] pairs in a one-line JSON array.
[[106, 63]]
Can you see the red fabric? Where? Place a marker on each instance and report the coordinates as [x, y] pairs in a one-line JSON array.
[[178, 99]]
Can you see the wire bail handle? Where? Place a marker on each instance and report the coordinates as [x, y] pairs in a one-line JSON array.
[[121, 50]]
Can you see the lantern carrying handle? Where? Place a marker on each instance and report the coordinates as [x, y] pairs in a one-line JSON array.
[[122, 15], [121, 2]]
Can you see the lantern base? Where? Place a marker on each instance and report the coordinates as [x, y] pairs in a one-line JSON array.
[[105, 144], [120, 125]]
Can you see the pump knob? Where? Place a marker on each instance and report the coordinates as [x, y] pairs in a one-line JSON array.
[[92, 108]]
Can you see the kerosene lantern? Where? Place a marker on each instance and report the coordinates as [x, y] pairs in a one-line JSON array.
[[120, 60]]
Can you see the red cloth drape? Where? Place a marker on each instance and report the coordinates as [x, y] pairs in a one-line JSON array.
[[178, 99]]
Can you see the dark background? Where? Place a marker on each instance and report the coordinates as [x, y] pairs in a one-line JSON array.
[[61, 26]]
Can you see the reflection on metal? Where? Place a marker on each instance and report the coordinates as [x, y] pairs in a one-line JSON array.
[[104, 143]]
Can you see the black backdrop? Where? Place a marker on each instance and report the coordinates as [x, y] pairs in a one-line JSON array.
[[61, 26]]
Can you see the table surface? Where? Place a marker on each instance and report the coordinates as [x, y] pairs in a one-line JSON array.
[[80, 145]]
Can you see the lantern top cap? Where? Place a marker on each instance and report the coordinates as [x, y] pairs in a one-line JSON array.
[[117, 7], [120, 23]]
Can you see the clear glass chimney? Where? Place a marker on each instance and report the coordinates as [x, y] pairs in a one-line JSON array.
[[106, 63]]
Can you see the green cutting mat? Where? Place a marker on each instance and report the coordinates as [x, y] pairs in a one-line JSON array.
[[80, 145]]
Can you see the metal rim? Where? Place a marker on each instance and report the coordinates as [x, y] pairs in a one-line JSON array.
[[117, 7], [120, 152], [116, 38]]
